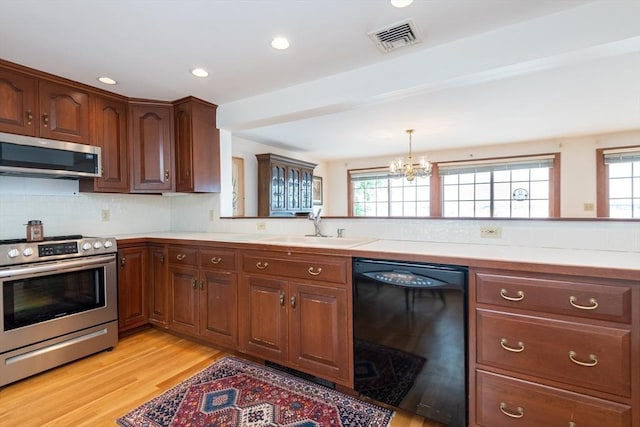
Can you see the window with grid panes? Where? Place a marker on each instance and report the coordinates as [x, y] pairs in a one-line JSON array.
[[518, 188], [623, 182], [377, 193]]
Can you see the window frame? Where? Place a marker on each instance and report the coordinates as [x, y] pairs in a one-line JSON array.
[[436, 196], [602, 181]]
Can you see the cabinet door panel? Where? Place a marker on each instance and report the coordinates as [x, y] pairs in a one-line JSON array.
[[110, 134], [218, 317], [319, 336], [64, 113], [18, 112], [532, 405], [183, 288], [584, 355], [158, 298], [151, 141], [132, 296], [264, 311]]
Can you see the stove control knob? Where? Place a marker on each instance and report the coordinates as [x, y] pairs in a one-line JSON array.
[[108, 244], [27, 252], [13, 253], [86, 246], [97, 245]]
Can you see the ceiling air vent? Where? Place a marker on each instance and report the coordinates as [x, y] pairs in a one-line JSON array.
[[396, 36]]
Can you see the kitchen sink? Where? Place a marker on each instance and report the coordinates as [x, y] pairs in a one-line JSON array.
[[329, 242]]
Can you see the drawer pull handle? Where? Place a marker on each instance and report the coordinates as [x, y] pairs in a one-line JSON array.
[[503, 294], [215, 260], [261, 266], [592, 357], [519, 349], [180, 257], [314, 272], [592, 301], [518, 414]]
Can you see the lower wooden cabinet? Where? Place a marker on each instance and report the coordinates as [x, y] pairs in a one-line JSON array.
[[132, 287], [303, 324], [203, 294], [504, 401], [552, 350]]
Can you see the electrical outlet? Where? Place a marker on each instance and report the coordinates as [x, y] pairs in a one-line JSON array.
[[261, 226], [212, 215], [487, 231], [106, 215], [588, 207]]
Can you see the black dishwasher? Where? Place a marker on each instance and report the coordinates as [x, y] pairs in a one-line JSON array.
[[410, 337]]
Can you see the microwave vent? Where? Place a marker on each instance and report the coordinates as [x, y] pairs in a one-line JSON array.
[[395, 36]]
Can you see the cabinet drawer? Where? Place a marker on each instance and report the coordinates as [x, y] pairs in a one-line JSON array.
[[218, 259], [503, 401], [584, 355], [594, 301], [325, 269], [183, 256]]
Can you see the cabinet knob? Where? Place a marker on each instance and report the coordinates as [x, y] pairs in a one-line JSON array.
[[123, 261], [261, 266], [503, 294], [592, 357], [281, 299], [314, 272], [166, 174], [180, 257], [293, 301], [592, 301], [519, 349], [45, 119], [29, 117], [215, 260], [194, 283], [201, 284], [518, 414]]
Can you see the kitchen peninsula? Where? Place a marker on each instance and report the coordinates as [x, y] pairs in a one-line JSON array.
[[576, 313]]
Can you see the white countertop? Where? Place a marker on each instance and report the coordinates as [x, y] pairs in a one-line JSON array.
[[551, 256]]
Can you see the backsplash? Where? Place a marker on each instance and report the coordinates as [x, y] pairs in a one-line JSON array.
[[133, 214]]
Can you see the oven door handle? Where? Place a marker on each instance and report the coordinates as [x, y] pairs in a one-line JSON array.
[[57, 266]]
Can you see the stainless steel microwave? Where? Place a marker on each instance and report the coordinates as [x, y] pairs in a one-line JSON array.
[[26, 155]]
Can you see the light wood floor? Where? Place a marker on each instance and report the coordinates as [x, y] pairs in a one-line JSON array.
[[98, 389]]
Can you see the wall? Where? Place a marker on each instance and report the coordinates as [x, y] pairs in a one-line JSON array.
[[248, 149], [578, 169]]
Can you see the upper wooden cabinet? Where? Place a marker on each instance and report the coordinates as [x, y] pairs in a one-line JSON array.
[[43, 108], [18, 110], [151, 140], [110, 134], [284, 185], [197, 146]]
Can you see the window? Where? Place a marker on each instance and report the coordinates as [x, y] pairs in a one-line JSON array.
[[375, 192], [618, 172], [521, 187]]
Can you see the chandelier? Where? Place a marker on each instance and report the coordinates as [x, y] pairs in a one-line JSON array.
[[409, 169]]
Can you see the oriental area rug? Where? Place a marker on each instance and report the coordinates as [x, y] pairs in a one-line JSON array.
[[236, 393], [384, 373]]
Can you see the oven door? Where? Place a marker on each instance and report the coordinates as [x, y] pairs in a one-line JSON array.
[[50, 299]]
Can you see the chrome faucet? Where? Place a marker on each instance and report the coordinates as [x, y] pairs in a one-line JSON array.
[[316, 222]]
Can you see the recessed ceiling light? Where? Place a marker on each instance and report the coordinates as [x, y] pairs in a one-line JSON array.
[[401, 3], [199, 72], [107, 80], [280, 43]]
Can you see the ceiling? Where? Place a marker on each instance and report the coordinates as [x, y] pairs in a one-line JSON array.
[[486, 71]]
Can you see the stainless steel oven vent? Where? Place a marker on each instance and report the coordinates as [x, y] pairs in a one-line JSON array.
[[396, 36]]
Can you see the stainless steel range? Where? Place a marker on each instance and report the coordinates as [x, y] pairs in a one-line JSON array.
[[58, 300]]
